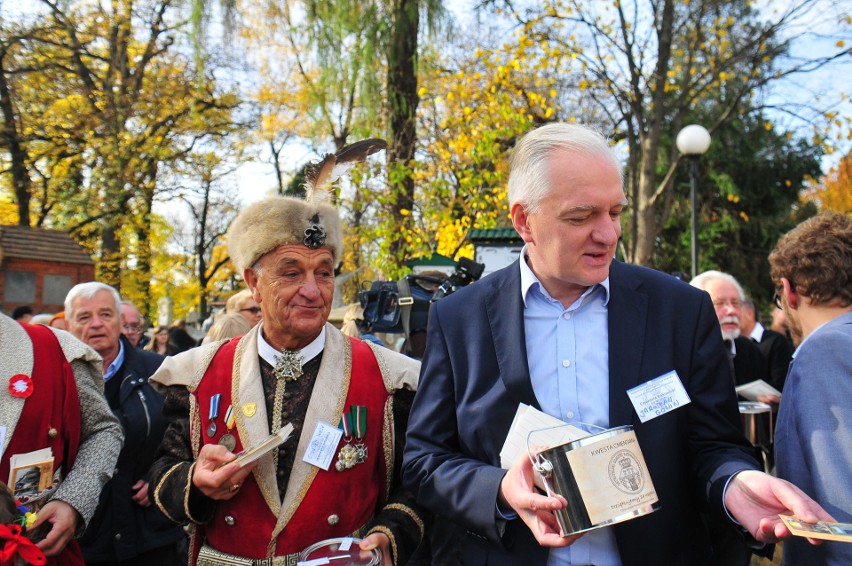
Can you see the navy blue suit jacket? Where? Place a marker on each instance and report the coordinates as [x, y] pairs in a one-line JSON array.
[[475, 373]]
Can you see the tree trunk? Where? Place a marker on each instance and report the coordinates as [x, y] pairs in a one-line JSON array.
[[402, 101], [17, 154], [143, 247], [648, 225], [110, 264]]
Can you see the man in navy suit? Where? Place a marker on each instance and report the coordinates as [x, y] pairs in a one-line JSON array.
[[812, 268], [568, 330]]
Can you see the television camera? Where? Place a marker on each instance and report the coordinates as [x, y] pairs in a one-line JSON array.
[[403, 306]]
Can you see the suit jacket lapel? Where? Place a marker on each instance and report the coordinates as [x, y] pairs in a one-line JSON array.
[[17, 351], [505, 310], [627, 317]]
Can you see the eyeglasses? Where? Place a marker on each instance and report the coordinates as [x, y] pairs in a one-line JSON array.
[[252, 310], [132, 328], [776, 297], [733, 303]]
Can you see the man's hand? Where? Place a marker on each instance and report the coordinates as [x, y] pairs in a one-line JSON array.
[[518, 491], [382, 541], [63, 520], [214, 476], [140, 493], [774, 400], [755, 500]]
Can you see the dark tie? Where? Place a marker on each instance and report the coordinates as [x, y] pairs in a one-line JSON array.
[[730, 354]]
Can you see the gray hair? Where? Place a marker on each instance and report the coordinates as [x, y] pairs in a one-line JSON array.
[[87, 291], [702, 279], [528, 180], [131, 305]]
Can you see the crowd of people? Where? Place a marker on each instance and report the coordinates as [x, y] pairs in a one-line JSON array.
[[144, 431]]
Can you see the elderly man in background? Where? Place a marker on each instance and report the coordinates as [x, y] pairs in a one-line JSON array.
[[133, 327], [727, 295], [294, 367], [126, 528], [811, 267], [54, 399]]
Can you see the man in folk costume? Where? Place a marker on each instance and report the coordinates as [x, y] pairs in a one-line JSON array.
[[338, 473], [52, 397]]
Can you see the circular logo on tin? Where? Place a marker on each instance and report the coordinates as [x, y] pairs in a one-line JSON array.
[[625, 473]]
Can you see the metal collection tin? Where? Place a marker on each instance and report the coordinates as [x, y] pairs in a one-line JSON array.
[[757, 422], [602, 476], [340, 552]]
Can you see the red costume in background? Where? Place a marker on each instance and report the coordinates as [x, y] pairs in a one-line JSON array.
[[50, 417]]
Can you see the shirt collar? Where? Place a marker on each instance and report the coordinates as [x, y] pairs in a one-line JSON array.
[[757, 332], [309, 352], [528, 279], [116, 363]]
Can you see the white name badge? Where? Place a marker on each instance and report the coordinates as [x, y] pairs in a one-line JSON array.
[[323, 445], [658, 396]]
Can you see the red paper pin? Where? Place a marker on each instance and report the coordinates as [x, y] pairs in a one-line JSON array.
[[21, 385]]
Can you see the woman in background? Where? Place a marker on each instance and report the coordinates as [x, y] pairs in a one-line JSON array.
[[160, 343]]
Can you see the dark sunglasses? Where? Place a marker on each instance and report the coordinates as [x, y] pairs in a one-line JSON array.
[[252, 310]]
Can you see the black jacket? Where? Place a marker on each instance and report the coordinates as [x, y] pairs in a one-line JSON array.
[[777, 351], [121, 529], [749, 363]]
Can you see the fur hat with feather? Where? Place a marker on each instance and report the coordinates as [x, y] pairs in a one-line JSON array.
[[275, 221], [313, 222]]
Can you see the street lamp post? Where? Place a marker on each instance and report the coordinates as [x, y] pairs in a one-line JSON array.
[[692, 141]]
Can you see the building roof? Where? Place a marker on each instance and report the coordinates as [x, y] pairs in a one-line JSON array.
[[40, 244], [493, 235], [434, 259]]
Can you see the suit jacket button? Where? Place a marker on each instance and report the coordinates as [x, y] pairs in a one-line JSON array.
[[333, 519], [229, 520]]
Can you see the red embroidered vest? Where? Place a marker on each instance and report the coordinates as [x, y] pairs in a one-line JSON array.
[[350, 497], [54, 405]]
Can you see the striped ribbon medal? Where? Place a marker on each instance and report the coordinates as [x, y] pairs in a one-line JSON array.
[[346, 457], [359, 415]]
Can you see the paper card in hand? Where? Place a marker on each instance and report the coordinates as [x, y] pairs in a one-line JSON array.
[[253, 453], [754, 389], [828, 530]]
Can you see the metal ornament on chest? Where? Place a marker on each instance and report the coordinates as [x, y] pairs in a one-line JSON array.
[[288, 366]]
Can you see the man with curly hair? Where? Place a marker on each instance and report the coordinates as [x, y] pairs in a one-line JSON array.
[[811, 267]]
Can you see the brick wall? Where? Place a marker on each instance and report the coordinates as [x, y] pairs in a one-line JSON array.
[[54, 283]]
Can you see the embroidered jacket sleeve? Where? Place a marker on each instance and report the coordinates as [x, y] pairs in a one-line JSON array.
[[401, 519], [170, 487], [101, 436]]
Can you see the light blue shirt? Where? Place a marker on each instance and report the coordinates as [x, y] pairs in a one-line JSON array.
[[568, 353], [116, 363]]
